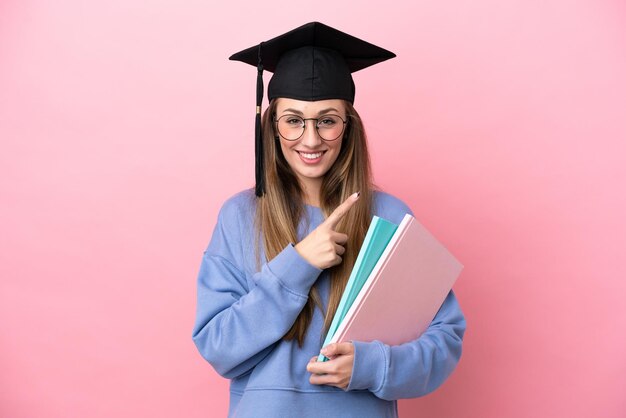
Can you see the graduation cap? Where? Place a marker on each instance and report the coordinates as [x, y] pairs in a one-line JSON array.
[[312, 62]]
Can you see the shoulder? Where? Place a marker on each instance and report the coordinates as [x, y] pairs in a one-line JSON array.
[[390, 207], [243, 199], [234, 224], [240, 205]]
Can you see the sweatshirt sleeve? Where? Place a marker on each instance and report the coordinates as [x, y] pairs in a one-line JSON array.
[[415, 368], [236, 326]]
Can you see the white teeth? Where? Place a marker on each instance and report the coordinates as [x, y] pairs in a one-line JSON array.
[[311, 156]]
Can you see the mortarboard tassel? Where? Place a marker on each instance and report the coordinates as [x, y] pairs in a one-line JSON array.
[[259, 174]]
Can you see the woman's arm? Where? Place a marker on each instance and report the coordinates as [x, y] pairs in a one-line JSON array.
[[415, 368], [418, 367], [235, 327]]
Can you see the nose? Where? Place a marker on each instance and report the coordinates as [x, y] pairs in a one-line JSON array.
[[310, 137]]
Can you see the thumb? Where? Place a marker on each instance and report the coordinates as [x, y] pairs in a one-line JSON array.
[[336, 349], [340, 211]]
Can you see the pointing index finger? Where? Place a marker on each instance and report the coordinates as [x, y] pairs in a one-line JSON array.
[[340, 211]]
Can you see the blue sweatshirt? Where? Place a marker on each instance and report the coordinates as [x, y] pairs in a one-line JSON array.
[[242, 315]]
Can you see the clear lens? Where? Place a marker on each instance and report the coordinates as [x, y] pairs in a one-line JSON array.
[[291, 127], [329, 127]]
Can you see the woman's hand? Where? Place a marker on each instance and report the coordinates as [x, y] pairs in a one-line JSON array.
[[324, 246], [335, 372]]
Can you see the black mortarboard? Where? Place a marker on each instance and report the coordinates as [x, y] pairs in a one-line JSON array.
[[312, 62]]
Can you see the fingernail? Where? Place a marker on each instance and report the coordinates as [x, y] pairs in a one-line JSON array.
[[356, 195]]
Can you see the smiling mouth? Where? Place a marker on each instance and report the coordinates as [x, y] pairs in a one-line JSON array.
[[311, 155]]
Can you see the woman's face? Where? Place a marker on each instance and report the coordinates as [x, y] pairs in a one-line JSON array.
[[310, 157]]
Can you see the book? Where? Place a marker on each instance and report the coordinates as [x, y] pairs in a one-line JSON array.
[[401, 277], [376, 239]]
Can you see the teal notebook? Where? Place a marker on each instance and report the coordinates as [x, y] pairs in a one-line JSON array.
[[376, 239]]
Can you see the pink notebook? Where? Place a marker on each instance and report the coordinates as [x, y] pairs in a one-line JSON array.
[[405, 289]]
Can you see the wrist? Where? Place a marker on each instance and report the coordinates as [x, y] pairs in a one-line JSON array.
[[303, 253], [294, 271]]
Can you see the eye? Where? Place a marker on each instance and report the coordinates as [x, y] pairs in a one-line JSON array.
[[327, 121], [293, 120]]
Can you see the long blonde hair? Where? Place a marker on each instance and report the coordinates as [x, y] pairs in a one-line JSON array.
[[279, 211]]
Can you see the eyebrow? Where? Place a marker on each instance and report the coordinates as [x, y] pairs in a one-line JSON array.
[[321, 112]]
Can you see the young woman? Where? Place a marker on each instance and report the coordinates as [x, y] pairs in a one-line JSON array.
[[280, 255]]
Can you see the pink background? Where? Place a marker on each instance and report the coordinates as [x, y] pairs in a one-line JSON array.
[[124, 127]]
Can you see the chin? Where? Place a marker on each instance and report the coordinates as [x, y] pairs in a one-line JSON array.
[[312, 175]]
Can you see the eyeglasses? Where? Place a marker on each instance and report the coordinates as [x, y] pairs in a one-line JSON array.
[[329, 127]]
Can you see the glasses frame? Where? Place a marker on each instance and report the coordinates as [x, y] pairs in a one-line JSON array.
[[343, 129]]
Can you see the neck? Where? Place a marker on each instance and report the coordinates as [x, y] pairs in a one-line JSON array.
[[311, 189]]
